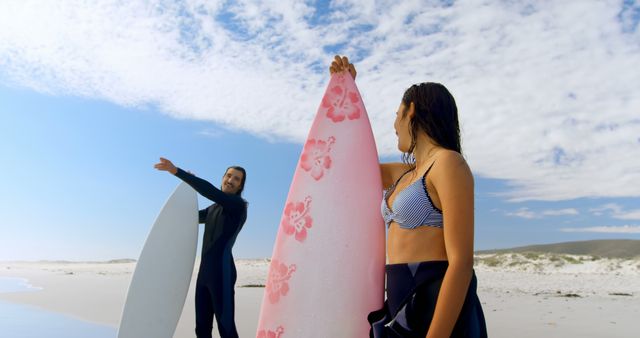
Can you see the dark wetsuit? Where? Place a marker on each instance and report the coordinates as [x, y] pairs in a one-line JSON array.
[[217, 276], [412, 293]]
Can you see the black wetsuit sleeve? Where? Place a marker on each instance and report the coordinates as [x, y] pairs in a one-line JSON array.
[[202, 215], [207, 190]]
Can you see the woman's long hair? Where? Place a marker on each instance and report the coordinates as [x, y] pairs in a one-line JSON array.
[[436, 114]]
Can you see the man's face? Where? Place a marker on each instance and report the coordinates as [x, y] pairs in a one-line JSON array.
[[231, 181]]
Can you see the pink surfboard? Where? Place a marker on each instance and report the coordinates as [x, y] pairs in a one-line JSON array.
[[327, 267]]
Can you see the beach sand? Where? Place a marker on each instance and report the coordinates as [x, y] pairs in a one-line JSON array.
[[522, 296], [96, 292]]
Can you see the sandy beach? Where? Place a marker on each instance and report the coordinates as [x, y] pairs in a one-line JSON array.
[[523, 295]]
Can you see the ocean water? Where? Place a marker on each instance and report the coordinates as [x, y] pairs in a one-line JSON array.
[[23, 321], [9, 284]]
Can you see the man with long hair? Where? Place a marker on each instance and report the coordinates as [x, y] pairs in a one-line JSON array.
[[223, 221]]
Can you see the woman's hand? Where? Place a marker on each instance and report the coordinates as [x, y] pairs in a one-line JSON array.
[[341, 64], [166, 165]]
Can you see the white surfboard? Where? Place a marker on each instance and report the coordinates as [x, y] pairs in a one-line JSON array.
[[162, 276]]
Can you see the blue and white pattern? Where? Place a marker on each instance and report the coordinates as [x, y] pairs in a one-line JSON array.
[[412, 207]]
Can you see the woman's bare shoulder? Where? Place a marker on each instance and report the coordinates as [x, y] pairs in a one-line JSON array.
[[448, 158], [450, 163]]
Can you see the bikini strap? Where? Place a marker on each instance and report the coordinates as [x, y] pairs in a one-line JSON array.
[[424, 185], [426, 172], [395, 184], [401, 176]]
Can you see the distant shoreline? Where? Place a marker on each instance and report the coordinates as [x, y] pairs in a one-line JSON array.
[[605, 248]]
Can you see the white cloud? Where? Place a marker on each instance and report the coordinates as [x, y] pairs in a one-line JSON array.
[[629, 215], [530, 214], [523, 213], [624, 229], [561, 212], [609, 207], [616, 211], [212, 133], [547, 102]]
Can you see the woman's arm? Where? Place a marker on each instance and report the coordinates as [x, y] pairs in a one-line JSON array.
[[390, 172], [453, 181]]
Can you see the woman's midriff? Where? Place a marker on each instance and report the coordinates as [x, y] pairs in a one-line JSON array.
[[424, 243]]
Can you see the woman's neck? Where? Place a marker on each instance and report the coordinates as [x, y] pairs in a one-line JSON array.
[[424, 150]]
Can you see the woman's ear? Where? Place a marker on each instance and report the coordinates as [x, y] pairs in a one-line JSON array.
[[411, 111]]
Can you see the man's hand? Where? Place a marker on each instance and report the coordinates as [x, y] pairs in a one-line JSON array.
[[166, 165]]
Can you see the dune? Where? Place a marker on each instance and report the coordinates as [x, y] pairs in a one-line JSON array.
[[609, 248]]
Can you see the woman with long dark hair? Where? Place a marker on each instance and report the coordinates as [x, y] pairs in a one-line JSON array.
[[428, 209]]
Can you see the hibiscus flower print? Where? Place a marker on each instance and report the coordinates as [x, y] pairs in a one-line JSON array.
[[271, 334], [296, 219], [315, 157], [278, 280], [340, 102]]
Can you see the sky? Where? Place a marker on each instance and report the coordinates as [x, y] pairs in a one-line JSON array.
[[93, 93]]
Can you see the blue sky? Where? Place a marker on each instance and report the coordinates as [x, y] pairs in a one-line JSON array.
[[91, 96]]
